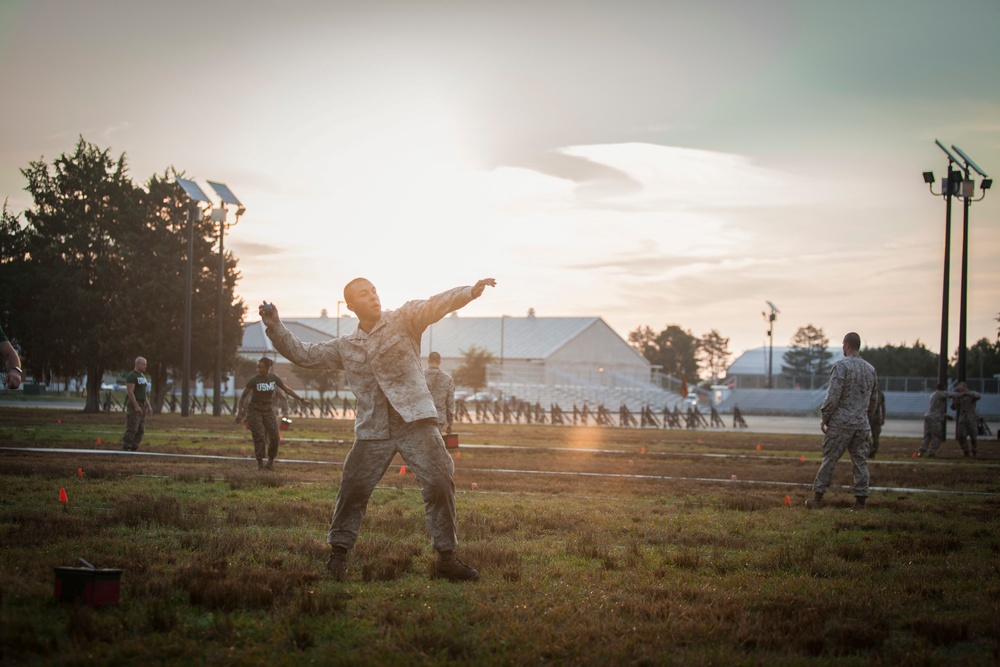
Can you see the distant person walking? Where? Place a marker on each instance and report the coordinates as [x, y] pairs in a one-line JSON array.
[[136, 406], [934, 421], [966, 419], [256, 408], [394, 413], [877, 422], [442, 388], [846, 417], [11, 362]]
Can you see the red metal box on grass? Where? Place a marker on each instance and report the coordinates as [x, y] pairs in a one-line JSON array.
[[91, 585]]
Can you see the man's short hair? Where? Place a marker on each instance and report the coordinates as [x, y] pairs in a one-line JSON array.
[[348, 286], [434, 356], [853, 341]]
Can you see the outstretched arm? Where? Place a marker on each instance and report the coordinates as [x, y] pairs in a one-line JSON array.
[[281, 385], [477, 289]]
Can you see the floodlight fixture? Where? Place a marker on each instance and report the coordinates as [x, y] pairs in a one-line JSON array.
[[968, 161], [193, 190], [929, 177], [225, 194], [987, 182]]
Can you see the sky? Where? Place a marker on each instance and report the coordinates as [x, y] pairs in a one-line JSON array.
[[650, 163]]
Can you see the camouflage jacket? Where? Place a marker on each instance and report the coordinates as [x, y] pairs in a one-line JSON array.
[[852, 397], [383, 366], [443, 392], [939, 404]]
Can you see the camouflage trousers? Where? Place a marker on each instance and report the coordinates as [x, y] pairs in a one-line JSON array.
[[967, 427], [933, 435], [135, 427], [422, 448], [835, 442], [264, 429]]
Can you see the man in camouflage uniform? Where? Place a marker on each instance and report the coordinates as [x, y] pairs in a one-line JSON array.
[[966, 418], [442, 389], [934, 421], [394, 412], [846, 413]]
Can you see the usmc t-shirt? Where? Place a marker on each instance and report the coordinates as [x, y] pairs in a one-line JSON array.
[[139, 380], [263, 390]]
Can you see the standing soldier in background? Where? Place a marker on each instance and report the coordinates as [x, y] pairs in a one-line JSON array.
[[255, 407], [934, 421], [877, 421], [442, 389], [966, 418], [847, 412], [136, 406]]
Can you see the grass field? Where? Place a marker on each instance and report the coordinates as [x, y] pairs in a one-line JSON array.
[[596, 546]]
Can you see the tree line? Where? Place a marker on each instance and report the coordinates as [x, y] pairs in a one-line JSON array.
[[681, 354], [94, 275]]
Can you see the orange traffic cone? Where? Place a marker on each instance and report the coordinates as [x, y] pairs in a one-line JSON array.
[[803, 458], [788, 501], [62, 495], [79, 473], [758, 446], [98, 440], [402, 470], [458, 455], [642, 451]]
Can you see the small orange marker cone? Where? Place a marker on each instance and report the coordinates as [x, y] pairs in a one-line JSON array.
[[788, 501], [62, 495], [458, 455], [98, 440], [402, 470], [79, 473], [474, 486], [914, 455], [758, 446], [699, 441], [643, 450], [281, 436], [59, 421], [802, 458]]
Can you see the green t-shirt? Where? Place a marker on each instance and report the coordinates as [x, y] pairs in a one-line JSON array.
[[140, 382], [262, 390]]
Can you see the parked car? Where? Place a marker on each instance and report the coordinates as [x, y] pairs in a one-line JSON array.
[[461, 396], [483, 397]]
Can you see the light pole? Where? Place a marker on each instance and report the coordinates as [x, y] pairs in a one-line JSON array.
[[770, 318], [967, 192], [219, 215], [195, 195], [953, 185]]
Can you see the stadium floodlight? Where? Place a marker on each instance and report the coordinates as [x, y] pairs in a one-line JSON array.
[[929, 177], [228, 198], [987, 182]]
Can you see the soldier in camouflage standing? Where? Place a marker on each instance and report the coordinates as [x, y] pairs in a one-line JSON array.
[[934, 421], [846, 413], [394, 413], [442, 389], [966, 418], [136, 406]]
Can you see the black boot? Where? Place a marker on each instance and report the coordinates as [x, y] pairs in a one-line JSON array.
[[859, 503], [336, 565], [816, 502], [449, 567]]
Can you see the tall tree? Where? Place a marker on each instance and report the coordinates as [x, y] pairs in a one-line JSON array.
[[902, 360], [713, 353], [472, 372], [83, 203], [160, 249], [808, 354], [983, 359], [673, 349]]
